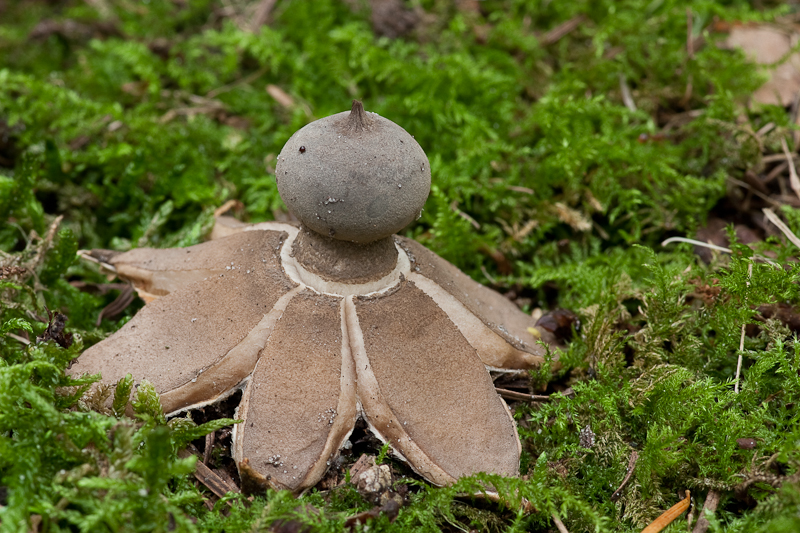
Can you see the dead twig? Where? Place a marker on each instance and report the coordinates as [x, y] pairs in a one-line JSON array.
[[488, 276], [794, 181], [201, 106], [712, 500], [263, 11], [565, 28], [766, 128], [774, 158], [456, 210], [521, 396], [628, 474], [227, 206], [87, 256], [671, 514], [559, 524], [119, 304], [681, 119], [775, 172], [210, 438], [280, 96], [209, 478], [750, 188], [794, 117], [250, 78], [627, 99]]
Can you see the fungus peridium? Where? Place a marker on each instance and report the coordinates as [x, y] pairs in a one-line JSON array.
[[330, 320]]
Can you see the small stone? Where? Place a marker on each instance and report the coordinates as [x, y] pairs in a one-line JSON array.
[[374, 481]]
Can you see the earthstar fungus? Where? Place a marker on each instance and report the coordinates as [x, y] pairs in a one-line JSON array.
[[330, 320]]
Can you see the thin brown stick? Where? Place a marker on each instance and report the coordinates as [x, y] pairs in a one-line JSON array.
[[263, 12], [521, 396], [488, 276], [209, 478], [774, 158], [559, 524], [253, 76], [689, 39], [456, 210], [280, 96], [209, 447], [712, 500], [766, 128], [775, 172], [669, 515], [754, 191], [227, 206], [628, 474], [121, 302], [565, 28], [627, 98]]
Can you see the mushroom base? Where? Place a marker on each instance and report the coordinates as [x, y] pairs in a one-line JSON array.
[[344, 261]]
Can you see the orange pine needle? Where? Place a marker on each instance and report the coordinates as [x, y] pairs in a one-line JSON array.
[[669, 515]]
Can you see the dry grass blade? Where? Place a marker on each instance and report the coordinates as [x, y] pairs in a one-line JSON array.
[[696, 243], [772, 217], [456, 210], [19, 339], [280, 96], [741, 339], [671, 514], [627, 99], [710, 246]]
